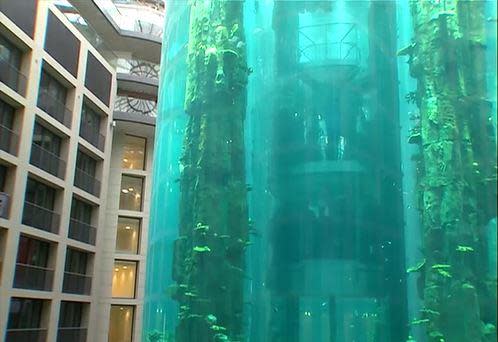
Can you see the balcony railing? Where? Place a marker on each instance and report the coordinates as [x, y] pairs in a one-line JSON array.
[[12, 77], [33, 277], [82, 232], [77, 283], [26, 335], [39, 217], [48, 161], [76, 334], [86, 182], [54, 107], [8, 140], [92, 135]]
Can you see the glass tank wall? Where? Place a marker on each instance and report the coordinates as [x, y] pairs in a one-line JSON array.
[[325, 171]]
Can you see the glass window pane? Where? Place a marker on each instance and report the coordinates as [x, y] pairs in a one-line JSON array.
[[127, 235], [123, 280], [131, 193], [133, 153], [121, 323], [71, 314], [25, 313]]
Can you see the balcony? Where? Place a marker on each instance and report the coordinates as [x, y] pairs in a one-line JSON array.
[[8, 140], [86, 182], [133, 109], [94, 137], [33, 277], [82, 232], [26, 335], [54, 107], [39, 217], [77, 283], [72, 334], [47, 161], [12, 77], [137, 76]]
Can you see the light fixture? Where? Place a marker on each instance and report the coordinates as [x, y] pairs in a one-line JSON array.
[[121, 308], [116, 269], [130, 189], [124, 191], [125, 160], [125, 267], [127, 227]]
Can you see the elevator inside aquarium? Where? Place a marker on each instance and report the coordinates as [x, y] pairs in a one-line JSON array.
[[324, 171]]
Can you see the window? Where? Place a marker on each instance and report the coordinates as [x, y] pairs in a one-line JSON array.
[[6, 115], [6, 125], [121, 323], [131, 193], [10, 63], [32, 252], [26, 320], [86, 163], [90, 118], [45, 151], [81, 211], [134, 153], [3, 177], [71, 314], [128, 234], [25, 313], [40, 194], [84, 177], [31, 265], [123, 280], [53, 88], [76, 261], [76, 279], [46, 139], [80, 227], [71, 322], [90, 127], [38, 209], [52, 99]]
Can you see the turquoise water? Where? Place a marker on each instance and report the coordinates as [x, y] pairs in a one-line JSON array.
[[324, 171]]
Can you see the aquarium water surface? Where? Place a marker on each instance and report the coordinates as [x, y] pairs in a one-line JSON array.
[[324, 171]]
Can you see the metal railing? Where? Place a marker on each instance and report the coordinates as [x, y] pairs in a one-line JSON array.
[[86, 182], [8, 140], [92, 135], [26, 335], [12, 77], [82, 231], [47, 161], [77, 283], [129, 104], [39, 217], [33, 277], [71, 334], [337, 42], [137, 67], [54, 107]]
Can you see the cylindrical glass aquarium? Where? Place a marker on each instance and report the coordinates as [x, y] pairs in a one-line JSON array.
[[324, 171]]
